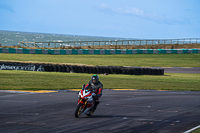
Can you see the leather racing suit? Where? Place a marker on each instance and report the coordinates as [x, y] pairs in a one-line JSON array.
[[97, 89]]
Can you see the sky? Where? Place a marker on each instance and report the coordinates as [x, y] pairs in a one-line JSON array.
[[143, 19]]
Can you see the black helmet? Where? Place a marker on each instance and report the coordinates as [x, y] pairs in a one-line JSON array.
[[95, 79]]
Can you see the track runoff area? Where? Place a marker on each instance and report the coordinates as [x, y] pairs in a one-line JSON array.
[[118, 111]]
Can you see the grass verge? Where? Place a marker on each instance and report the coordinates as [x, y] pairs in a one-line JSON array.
[[28, 80], [144, 60], [196, 131]]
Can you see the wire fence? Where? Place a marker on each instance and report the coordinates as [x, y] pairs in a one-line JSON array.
[[93, 44]]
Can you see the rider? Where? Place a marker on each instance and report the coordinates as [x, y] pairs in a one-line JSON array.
[[96, 86]]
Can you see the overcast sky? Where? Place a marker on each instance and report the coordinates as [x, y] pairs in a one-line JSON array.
[[144, 19]]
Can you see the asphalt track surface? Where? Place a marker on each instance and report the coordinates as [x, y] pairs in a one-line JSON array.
[[181, 70], [139, 111]]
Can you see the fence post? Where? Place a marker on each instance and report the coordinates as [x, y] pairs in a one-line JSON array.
[[140, 42], [177, 41], [196, 41], [164, 42], [74, 44], [152, 42], [171, 41]]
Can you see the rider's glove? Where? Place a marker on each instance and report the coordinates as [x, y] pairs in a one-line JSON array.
[[94, 95]]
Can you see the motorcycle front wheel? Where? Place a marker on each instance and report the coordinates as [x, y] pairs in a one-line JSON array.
[[78, 110]]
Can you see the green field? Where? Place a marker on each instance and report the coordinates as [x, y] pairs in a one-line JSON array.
[[196, 131], [148, 60], [55, 80]]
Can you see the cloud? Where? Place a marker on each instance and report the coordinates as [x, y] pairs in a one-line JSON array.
[[133, 11], [6, 7]]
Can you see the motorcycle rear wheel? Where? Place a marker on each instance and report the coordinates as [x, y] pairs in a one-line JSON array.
[[78, 110]]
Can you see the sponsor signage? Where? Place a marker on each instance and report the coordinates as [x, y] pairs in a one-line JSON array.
[[20, 67]]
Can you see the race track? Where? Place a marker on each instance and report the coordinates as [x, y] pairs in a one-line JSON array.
[[139, 111], [181, 70]]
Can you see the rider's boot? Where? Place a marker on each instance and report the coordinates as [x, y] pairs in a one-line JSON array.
[[95, 105]]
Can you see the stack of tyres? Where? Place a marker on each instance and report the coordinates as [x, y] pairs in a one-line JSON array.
[[153, 71], [50, 67], [162, 72], [86, 69], [79, 69], [55, 68], [148, 71], [59, 68], [99, 70], [92, 69], [72, 69], [145, 71], [67, 68], [63, 68], [83, 69], [46, 68], [140, 71]]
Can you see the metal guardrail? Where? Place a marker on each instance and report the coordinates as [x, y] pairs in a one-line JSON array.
[[79, 44]]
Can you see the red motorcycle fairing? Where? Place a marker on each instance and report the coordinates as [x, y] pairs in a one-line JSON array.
[[90, 104], [85, 103], [83, 99]]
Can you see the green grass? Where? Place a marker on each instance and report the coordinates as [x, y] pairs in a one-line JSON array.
[[196, 131], [144, 60], [45, 80], [54, 80]]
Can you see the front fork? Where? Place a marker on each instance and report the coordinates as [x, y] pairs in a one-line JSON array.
[[84, 104]]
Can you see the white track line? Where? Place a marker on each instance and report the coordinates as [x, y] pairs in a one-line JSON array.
[[192, 129]]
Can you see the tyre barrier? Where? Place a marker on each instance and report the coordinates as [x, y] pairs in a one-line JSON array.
[[80, 69]]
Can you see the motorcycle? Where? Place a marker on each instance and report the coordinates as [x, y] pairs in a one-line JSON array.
[[85, 103]]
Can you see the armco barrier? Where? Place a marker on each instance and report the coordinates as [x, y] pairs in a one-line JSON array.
[[80, 69], [99, 51]]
